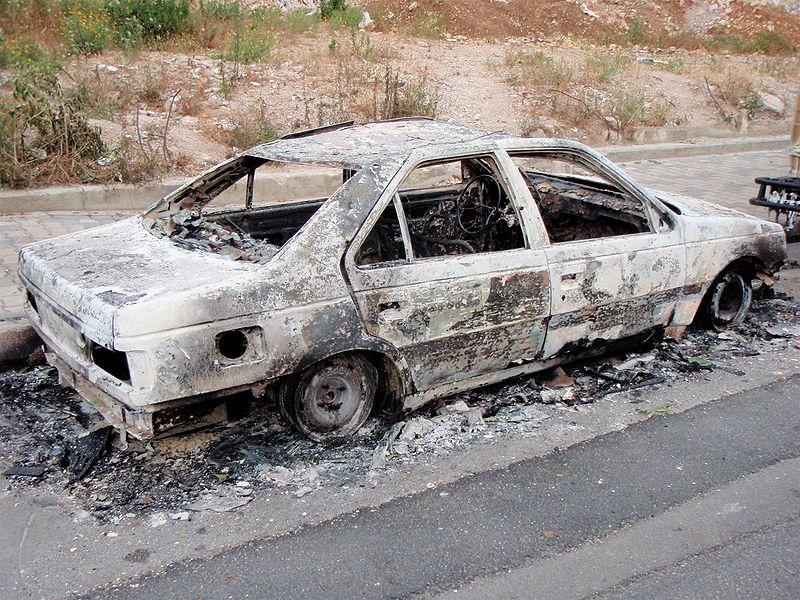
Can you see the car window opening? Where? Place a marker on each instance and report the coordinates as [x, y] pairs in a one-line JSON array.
[[230, 214], [451, 208], [575, 202]]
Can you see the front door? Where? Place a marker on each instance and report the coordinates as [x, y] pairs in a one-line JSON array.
[[616, 264], [610, 288]]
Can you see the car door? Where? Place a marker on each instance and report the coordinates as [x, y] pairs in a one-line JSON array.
[[607, 289], [458, 316], [611, 286]]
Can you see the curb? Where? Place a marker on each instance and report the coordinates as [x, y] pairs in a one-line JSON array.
[[681, 150], [129, 197], [298, 183]]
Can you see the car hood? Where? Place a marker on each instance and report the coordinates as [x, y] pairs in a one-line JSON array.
[[703, 222], [693, 207], [94, 274]]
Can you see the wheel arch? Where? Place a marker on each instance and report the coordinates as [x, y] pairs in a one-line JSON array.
[[749, 265]]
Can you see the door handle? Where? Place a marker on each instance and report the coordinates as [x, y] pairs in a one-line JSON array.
[[384, 306]]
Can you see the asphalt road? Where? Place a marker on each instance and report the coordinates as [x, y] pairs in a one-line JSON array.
[[500, 522], [763, 564]]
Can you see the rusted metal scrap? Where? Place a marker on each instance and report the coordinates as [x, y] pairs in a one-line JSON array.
[[394, 290]]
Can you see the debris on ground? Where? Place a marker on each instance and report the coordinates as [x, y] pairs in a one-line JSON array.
[[87, 450], [25, 471], [220, 500], [50, 437]]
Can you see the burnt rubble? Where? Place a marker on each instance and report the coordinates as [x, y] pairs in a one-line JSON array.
[[51, 438], [190, 229]]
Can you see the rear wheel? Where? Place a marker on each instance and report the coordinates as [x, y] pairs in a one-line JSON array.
[[728, 300], [331, 399]]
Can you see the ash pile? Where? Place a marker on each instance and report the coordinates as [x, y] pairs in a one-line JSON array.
[[192, 230], [50, 439]]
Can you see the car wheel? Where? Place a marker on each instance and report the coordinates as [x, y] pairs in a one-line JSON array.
[[728, 300], [331, 399]]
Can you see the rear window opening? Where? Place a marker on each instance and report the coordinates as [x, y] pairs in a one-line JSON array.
[[238, 211], [113, 362]]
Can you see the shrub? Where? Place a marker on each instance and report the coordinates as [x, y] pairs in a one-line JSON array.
[[603, 65], [157, 18], [327, 8], [129, 33], [86, 30], [44, 135], [633, 107], [348, 17], [737, 88], [23, 53], [151, 88], [251, 126], [220, 9], [525, 67], [297, 21], [430, 25], [765, 42], [636, 32], [248, 46], [417, 98]]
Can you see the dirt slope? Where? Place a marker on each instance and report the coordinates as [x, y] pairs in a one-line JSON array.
[[501, 19]]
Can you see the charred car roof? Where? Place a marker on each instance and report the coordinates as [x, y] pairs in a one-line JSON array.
[[356, 146]]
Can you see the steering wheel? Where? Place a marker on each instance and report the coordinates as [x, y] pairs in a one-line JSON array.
[[473, 216]]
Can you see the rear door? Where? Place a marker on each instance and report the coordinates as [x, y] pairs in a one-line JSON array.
[[461, 313]]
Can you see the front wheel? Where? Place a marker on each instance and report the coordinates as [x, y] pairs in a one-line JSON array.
[[728, 300], [331, 399]]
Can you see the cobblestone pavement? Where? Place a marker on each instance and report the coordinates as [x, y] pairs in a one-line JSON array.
[[19, 230], [726, 180]]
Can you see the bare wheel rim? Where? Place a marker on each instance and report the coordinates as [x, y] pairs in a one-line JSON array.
[[331, 401], [730, 301]]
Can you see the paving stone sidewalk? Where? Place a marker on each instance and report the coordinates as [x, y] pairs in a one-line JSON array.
[[724, 179], [19, 230]]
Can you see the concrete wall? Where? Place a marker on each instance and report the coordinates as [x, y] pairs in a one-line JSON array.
[[288, 184]]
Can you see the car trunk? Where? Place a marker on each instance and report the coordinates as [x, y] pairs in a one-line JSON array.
[[86, 277]]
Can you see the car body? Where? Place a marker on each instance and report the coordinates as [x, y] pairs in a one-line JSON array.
[[177, 307]]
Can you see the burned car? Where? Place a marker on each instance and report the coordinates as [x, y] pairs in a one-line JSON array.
[[446, 258]]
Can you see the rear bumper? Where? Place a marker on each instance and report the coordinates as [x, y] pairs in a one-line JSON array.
[[103, 392], [91, 383], [137, 422], [142, 423]]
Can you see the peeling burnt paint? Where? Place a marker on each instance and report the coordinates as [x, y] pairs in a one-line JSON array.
[[572, 267]]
